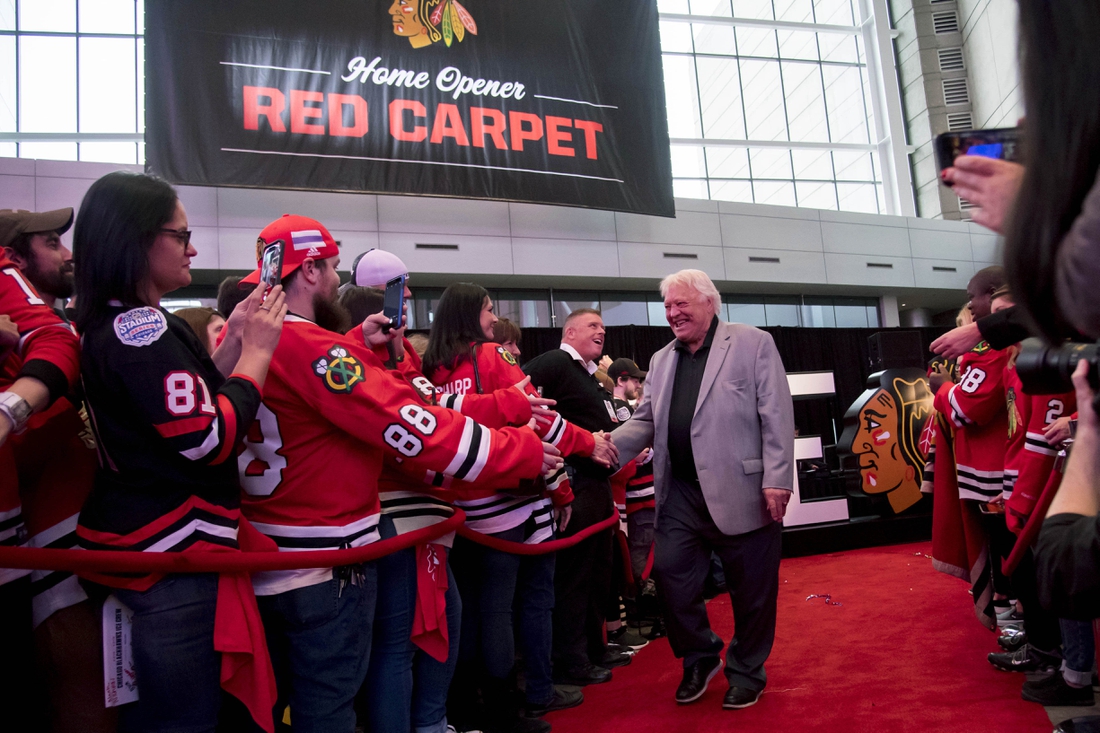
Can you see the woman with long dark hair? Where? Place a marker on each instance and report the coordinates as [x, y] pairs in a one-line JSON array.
[[167, 422], [463, 359]]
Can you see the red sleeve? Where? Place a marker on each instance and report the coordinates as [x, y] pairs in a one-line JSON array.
[[1036, 462], [979, 395], [350, 387], [501, 407], [48, 346]]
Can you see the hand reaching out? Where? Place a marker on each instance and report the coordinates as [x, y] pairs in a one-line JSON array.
[[605, 453], [551, 459], [957, 341]]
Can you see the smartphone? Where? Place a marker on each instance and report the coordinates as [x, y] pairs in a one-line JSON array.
[[271, 268], [1003, 143], [393, 306]]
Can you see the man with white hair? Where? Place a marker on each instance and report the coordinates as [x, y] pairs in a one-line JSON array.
[[718, 413]]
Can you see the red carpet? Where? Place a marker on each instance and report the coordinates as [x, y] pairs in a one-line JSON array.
[[903, 653]]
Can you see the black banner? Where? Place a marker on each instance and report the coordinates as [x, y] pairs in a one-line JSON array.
[[549, 101]]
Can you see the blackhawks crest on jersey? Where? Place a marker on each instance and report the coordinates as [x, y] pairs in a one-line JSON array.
[[339, 371], [506, 355]]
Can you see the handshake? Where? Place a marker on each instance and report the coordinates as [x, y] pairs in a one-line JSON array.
[[605, 454]]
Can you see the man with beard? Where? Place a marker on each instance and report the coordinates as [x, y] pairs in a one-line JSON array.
[[309, 471], [33, 242]]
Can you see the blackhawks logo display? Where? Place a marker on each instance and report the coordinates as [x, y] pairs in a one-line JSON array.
[[425, 22], [339, 372]]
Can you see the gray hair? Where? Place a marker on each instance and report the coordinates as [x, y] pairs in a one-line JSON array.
[[696, 280]]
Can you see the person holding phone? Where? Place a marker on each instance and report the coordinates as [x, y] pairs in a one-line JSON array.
[[167, 424]]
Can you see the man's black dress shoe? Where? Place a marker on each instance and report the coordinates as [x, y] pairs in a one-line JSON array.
[[612, 659], [696, 678], [739, 697], [586, 674]]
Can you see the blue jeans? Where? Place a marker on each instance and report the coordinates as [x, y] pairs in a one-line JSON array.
[[1078, 651], [319, 637], [495, 587], [178, 670], [406, 689]]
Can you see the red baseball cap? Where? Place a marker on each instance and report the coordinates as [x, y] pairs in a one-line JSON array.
[[305, 239]]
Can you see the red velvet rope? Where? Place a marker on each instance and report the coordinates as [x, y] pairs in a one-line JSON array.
[[542, 548], [127, 561]]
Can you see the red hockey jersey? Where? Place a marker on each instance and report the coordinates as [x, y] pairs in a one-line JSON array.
[[311, 462], [976, 408]]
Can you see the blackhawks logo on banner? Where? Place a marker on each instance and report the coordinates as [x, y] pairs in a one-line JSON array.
[[339, 372], [425, 22]]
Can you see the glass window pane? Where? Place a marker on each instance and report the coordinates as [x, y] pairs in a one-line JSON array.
[[731, 191], [728, 162], [844, 100], [711, 7], [764, 113], [47, 85], [756, 42], [141, 87], [573, 301], [872, 316], [776, 193], [796, 11], [816, 194], [751, 314], [834, 12], [717, 39], [109, 152], [9, 150], [851, 316], [813, 164], [107, 79], [852, 166], [7, 84], [818, 316], [720, 92], [798, 45], [689, 188], [857, 197], [525, 313], [624, 312], [838, 47], [781, 314], [48, 151], [58, 16], [770, 163], [656, 314], [106, 16], [681, 97], [687, 161], [672, 6], [753, 9], [7, 15], [676, 37], [805, 102]]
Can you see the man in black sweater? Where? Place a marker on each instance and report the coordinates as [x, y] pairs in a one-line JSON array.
[[583, 574]]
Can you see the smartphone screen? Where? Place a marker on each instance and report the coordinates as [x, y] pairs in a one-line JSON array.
[[393, 306], [271, 268], [1002, 143]]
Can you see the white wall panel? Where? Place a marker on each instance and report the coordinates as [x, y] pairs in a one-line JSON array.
[[866, 239], [637, 259], [944, 245], [689, 227], [565, 257], [205, 240], [353, 244], [950, 274], [237, 248], [201, 204], [17, 192], [768, 233], [753, 265], [58, 193], [561, 222], [775, 212], [845, 269], [987, 247], [442, 216], [484, 255], [255, 208], [17, 166]]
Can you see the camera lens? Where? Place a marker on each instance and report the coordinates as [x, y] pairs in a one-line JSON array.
[[1046, 369]]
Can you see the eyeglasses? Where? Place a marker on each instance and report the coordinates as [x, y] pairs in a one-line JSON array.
[[183, 235]]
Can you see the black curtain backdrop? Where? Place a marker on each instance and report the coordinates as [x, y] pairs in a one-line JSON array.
[[843, 351]]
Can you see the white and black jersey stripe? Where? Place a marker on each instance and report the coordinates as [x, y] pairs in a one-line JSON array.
[[53, 590], [556, 430], [304, 539], [957, 415], [413, 510], [980, 485], [472, 454], [12, 534], [1036, 443], [542, 523], [450, 401], [1009, 483], [497, 513]]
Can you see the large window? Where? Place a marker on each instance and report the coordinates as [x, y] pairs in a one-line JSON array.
[[72, 80], [769, 102]]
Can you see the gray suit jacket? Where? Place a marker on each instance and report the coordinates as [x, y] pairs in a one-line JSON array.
[[742, 434]]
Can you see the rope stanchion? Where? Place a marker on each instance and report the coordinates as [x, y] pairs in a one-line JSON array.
[[125, 561], [542, 548]]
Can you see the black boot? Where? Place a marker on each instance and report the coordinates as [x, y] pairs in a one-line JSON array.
[[502, 710]]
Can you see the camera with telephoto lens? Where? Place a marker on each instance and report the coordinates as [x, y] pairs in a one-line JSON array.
[[1047, 369]]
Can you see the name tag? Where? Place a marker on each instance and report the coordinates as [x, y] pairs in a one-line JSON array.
[[610, 411], [119, 680]]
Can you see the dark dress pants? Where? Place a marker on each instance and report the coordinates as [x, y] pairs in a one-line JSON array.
[[685, 538], [582, 578]]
